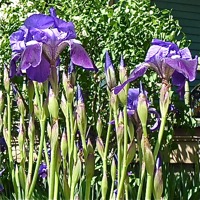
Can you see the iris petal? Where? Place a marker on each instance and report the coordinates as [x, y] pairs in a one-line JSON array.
[[186, 67], [39, 73], [32, 55], [140, 70], [80, 57], [40, 21], [156, 126]]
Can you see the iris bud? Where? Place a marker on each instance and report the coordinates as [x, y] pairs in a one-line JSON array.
[[76, 172], [31, 129], [122, 96], [6, 80], [53, 105], [142, 109], [131, 129], [109, 71], [148, 155], [99, 126], [1, 101], [158, 182], [131, 152], [100, 146], [122, 71], [104, 186], [113, 170], [113, 101], [20, 105], [120, 132], [90, 165], [164, 98], [54, 133], [81, 113], [63, 105], [64, 145]]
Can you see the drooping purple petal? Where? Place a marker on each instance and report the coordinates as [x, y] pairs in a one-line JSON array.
[[39, 73], [132, 100], [13, 64], [156, 126], [178, 80], [32, 55], [186, 67], [80, 57], [140, 70], [39, 21]]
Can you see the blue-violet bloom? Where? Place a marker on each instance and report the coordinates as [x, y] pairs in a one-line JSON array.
[[168, 61], [43, 170], [38, 44]]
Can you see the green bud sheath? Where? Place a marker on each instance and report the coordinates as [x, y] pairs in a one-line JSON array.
[[30, 90], [31, 129], [131, 129], [1, 101], [90, 166], [113, 170], [122, 97], [104, 186], [53, 105], [90, 148], [20, 105], [63, 105], [148, 155], [81, 118], [76, 172], [158, 184], [131, 152], [6, 80], [99, 126], [22, 177], [120, 132], [100, 146], [110, 78], [64, 145], [54, 133], [164, 98], [122, 74], [113, 101], [142, 109]]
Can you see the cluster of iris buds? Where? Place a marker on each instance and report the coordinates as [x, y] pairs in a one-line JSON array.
[[51, 107]]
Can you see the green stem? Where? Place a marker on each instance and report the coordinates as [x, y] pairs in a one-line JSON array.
[[107, 142], [112, 190], [56, 186], [42, 127], [149, 186], [9, 144], [88, 185], [124, 169], [52, 170], [142, 175], [160, 135], [46, 157]]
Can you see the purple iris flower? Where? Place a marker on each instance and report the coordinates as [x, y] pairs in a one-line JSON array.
[[132, 103], [38, 44], [43, 170], [168, 61]]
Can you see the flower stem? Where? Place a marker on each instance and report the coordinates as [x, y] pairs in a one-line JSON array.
[[42, 127], [88, 185], [124, 169], [142, 175], [9, 144]]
